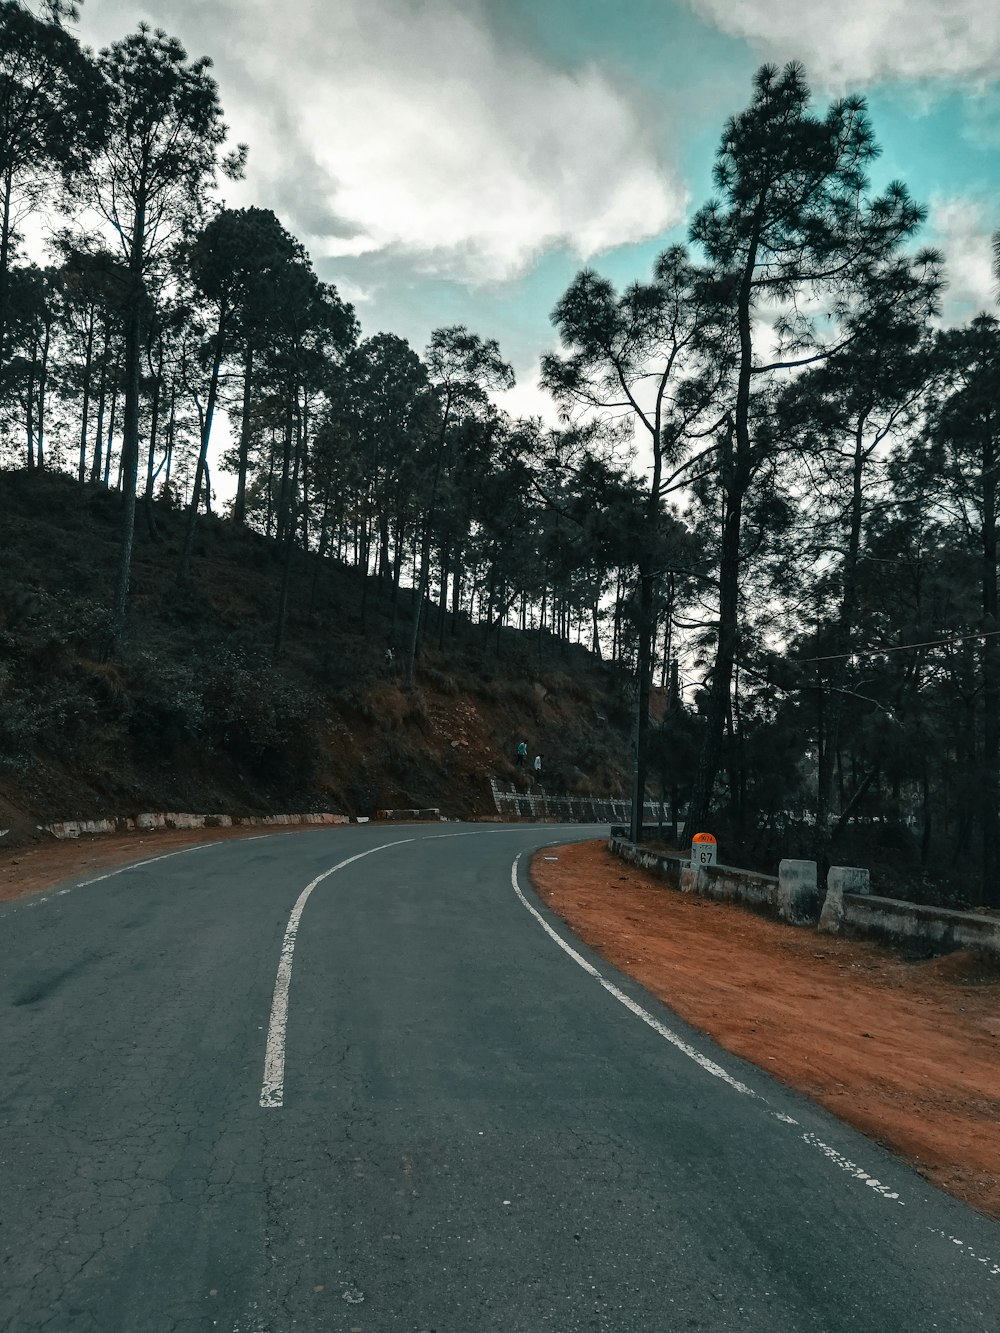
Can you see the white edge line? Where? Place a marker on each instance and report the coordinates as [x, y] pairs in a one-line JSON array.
[[135, 865], [844, 1163], [37, 900], [710, 1066]]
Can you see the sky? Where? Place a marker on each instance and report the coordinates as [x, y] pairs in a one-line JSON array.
[[458, 161]]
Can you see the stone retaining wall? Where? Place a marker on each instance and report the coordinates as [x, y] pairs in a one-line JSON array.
[[431, 812], [936, 929], [75, 828]]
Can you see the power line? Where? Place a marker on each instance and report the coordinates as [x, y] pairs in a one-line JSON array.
[[899, 648]]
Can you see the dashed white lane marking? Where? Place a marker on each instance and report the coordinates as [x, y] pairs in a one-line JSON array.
[[990, 1265], [850, 1167], [272, 1092]]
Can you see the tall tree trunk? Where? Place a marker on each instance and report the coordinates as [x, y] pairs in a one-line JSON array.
[[130, 432], [443, 603], [456, 590], [29, 423], [643, 681], [722, 675], [736, 474], [102, 398], [5, 230], [270, 486], [425, 548], [291, 527], [88, 371], [111, 430], [834, 709], [286, 462], [321, 550], [154, 422], [240, 503], [201, 471], [384, 568], [397, 571], [990, 790], [286, 579], [305, 477], [171, 433], [489, 605], [43, 376]]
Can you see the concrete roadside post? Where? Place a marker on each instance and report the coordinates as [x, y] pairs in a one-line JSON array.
[[798, 896], [840, 880]]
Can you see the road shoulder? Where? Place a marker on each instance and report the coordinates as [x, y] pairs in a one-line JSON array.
[[905, 1052]]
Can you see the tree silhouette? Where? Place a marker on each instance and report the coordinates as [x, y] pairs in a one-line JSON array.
[[463, 369], [149, 182], [644, 353], [235, 265], [964, 456], [53, 104], [791, 220]]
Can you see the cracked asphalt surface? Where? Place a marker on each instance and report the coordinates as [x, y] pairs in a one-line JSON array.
[[475, 1135]]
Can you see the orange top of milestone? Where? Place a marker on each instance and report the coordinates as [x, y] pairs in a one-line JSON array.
[[703, 837]]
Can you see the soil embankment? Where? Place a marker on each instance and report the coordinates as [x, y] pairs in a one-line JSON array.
[[905, 1052]]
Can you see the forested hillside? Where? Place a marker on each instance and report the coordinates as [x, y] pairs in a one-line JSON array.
[[196, 712], [772, 493]]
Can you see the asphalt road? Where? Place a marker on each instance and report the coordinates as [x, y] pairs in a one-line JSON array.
[[469, 1128]]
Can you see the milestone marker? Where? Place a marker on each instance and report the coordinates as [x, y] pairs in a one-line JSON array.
[[703, 849]]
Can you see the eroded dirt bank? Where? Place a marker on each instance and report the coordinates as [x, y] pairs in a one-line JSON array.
[[906, 1052]]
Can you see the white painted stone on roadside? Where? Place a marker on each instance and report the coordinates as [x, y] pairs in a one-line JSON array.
[[798, 896]]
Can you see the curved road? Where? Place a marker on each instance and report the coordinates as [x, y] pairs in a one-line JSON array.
[[416, 1104]]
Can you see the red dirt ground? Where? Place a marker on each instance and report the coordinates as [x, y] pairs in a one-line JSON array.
[[905, 1052]]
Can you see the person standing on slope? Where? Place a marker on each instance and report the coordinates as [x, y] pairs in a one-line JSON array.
[[522, 754]]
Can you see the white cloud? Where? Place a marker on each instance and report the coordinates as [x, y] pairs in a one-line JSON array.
[[962, 228], [527, 398], [354, 292], [863, 41], [394, 126]]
